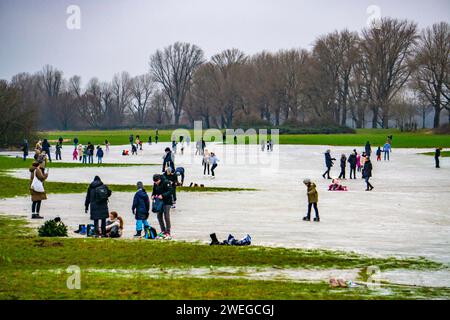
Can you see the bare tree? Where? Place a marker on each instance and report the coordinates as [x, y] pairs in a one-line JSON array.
[[387, 49], [432, 73], [173, 68], [141, 90], [120, 89]]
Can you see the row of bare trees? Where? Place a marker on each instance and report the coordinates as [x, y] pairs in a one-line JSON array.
[[388, 74]]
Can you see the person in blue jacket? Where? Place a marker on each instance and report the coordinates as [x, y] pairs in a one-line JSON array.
[[141, 208]]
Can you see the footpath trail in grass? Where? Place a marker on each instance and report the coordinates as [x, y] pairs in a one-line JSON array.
[[38, 259], [377, 137], [444, 154], [11, 186]]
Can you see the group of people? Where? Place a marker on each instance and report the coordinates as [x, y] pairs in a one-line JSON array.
[[85, 154]]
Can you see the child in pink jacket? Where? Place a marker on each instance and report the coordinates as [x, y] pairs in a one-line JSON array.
[[75, 154]]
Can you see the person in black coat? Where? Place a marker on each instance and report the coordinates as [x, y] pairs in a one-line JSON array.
[[141, 208], [352, 162], [171, 176], [168, 160], [162, 189], [25, 149], [343, 165], [367, 173], [328, 163], [368, 149], [437, 154], [99, 207], [46, 147]]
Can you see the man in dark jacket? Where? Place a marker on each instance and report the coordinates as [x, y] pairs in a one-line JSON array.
[[90, 154], [437, 154], [25, 149], [162, 189], [97, 198], [168, 160], [343, 166], [328, 163], [46, 147], [171, 176], [368, 149], [352, 161], [367, 173], [141, 208]]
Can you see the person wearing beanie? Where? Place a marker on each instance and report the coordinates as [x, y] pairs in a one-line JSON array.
[[140, 209], [168, 160], [313, 199]]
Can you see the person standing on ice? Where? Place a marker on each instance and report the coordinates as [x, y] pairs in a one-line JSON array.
[[313, 199], [352, 161], [437, 154], [213, 161], [328, 163]]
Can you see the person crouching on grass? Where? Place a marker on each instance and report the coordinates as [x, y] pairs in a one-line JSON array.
[[114, 225], [313, 198], [141, 208]]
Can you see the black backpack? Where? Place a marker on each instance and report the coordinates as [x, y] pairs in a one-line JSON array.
[[101, 193]]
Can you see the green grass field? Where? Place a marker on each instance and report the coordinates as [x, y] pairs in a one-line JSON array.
[[43, 262], [11, 186], [377, 137]]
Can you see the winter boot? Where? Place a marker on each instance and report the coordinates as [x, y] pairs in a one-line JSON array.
[[214, 240], [307, 218], [80, 227], [36, 216], [317, 219], [138, 234]]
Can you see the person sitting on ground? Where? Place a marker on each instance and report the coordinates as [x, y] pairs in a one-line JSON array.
[[313, 199], [125, 153], [336, 186], [114, 225], [140, 209]]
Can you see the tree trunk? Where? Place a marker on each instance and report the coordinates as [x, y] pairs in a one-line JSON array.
[[375, 118], [437, 117]]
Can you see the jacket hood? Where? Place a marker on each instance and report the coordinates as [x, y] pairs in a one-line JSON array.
[[141, 193], [96, 183]]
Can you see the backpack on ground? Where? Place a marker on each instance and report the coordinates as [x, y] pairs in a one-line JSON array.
[[101, 193], [150, 233]]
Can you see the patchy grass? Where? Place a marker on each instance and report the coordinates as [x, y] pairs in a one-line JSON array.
[[443, 154], [21, 247], [11, 186], [16, 284], [377, 137]]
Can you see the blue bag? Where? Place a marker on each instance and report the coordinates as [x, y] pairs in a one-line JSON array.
[[157, 205]]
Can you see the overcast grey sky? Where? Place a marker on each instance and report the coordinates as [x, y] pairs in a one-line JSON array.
[[117, 35]]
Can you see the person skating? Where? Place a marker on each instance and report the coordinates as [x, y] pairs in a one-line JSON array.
[[213, 161], [37, 189], [343, 165], [75, 154], [367, 173], [140, 209], [368, 149], [358, 161], [90, 153], [162, 190], [150, 140], [205, 161], [97, 199], [313, 199], [171, 176], [46, 147], [25, 149], [437, 155], [80, 151], [379, 153], [328, 163], [58, 148], [168, 160], [131, 139], [387, 150], [100, 154], [352, 161], [107, 145]]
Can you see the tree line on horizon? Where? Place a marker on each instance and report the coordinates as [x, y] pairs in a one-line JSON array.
[[387, 75]]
